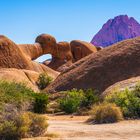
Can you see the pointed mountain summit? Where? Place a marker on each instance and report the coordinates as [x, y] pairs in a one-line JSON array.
[[115, 30]]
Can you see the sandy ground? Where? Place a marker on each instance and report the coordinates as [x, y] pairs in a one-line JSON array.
[[75, 128]]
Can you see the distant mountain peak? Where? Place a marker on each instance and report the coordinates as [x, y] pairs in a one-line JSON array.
[[114, 30]]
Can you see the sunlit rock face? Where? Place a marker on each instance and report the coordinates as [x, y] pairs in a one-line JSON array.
[[102, 69], [115, 30]]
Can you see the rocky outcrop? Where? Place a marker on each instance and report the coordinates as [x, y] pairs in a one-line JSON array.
[[102, 69], [81, 49], [11, 55], [22, 56], [122, 85], [114, 30], [48, 43], [63, 52], [17, 60], [31, 51], [62, 55], [27, 77]]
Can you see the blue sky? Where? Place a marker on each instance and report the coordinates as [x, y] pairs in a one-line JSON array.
[[23, 20]]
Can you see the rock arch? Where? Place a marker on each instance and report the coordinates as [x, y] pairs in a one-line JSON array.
[[21, 56], [64, 53]]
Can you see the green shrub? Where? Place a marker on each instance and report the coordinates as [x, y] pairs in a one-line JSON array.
[[8, 131], [74, 100], [41, 102], [44, 80], [23, 125], [71, 101], [17, 94], [106, 113], [129, 101], [16, 98], [136, 90], [90, 97], [22, 97]]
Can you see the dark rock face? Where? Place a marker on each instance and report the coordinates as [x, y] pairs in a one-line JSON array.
[[114, 30], [102, 69]]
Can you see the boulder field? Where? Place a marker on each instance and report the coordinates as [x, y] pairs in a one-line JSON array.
[[100, 70]]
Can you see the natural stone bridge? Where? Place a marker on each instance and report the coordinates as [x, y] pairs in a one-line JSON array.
[[21, 56]]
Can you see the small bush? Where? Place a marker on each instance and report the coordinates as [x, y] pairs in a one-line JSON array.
[[90, 97], [44, 80], [136, 90], [32, 125], [129, 101], [24, 125], [41, 102], [22, 97], [8, 131], [106, 113], [71, 101], [75, 100], [38, 126], [17, 94], [16, 98]]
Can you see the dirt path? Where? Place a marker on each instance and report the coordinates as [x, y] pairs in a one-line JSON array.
[[75, 128]]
